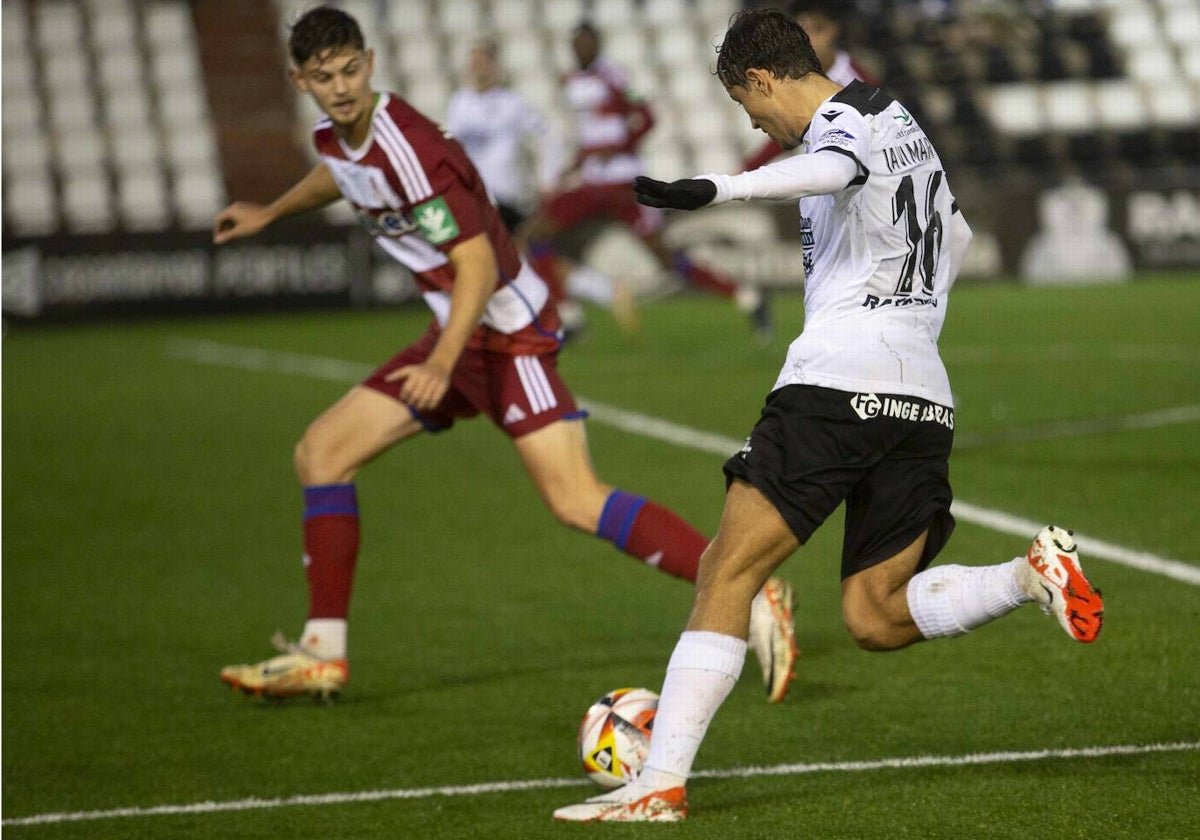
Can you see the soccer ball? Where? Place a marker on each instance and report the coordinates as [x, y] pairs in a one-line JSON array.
[[614, 737]]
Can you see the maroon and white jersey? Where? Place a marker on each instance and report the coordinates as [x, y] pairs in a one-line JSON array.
[[415, 190], [610, 122]]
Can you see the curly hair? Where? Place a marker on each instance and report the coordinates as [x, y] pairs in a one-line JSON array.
[[765, 39], [322, 31]]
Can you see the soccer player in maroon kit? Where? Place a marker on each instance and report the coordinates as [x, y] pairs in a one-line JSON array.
[[611, 123], [490, 349]]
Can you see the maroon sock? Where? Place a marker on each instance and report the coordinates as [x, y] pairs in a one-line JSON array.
[[652, 534], [330, 548]]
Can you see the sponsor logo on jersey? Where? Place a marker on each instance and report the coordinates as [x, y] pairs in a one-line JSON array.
[[807, 243], [905, 155], [903, 117], [870, 406], [436, 221], [875, 301], [387, 223], [835, 137], [831, 115]]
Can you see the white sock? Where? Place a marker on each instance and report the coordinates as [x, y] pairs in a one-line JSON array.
[[950, 600], [325, 638], [703, 670]]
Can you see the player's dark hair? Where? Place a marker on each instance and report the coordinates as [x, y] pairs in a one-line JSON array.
[[322, 31], [765, 39], [586, 27]]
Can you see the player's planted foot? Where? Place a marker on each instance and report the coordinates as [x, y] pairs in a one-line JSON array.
[[294, 673], [631, 803], [773, 636], [1052, 577]]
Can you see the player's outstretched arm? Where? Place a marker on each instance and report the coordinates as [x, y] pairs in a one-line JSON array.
[[244, 218]]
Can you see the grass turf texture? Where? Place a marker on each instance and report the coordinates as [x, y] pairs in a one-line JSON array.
[[151, 536]]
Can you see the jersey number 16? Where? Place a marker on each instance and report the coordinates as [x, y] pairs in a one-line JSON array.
[[923, 230]]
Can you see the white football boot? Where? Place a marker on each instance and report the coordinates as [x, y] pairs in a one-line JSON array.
[[631, 803], [294, 673], [1052, 577]]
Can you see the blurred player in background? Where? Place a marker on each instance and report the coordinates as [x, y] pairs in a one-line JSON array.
[[610, 123], [490, 349], [497, 127], [861, 412], [823, 21]]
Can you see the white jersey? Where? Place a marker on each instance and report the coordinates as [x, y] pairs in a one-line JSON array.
[[880, 252], [496, 127]]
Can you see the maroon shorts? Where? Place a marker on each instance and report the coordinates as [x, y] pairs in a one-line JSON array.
[[520, 393], [604, 201]]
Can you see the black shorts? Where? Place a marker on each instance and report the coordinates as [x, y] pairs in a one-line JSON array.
[[886, 456]]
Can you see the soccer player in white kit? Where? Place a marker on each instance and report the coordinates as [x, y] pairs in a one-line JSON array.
[[861, 412]]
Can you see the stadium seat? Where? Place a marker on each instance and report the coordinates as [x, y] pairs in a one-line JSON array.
[[1016, 109], [121, 73], [142, 201], [58, 24], [78, 152], [25, 153], [665, 13], [198, 196], [561, 16], [614, 13], [87, 202], [135, 145], [1172, 104], [461, 19], [112, 25], [1069, 107], [30, 204], [1181, 25], [627, 45], [169, 22], [1120, 105], [1150, 64], [22, 112], [524, 52], [1133, 25], [510, 17]]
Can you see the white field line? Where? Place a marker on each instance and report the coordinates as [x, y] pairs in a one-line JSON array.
[[906, 763], [247, 358]]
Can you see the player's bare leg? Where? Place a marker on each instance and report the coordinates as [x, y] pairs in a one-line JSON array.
[[335, 446]]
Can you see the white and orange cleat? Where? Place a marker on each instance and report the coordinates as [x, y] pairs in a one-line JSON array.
[[294, 673], [1053, 578], [630, 803], [773, 636]]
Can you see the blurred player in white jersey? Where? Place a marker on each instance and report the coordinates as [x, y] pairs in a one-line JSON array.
[[490, 349], [823, 22], [610, 123], [498, 127], [861, 412]]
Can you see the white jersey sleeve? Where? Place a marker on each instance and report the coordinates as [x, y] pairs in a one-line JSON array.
[[788, 179]]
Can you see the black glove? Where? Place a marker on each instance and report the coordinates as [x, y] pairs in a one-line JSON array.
[[687, 194]]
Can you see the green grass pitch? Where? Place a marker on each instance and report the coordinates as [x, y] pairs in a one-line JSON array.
[[151, 536]]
